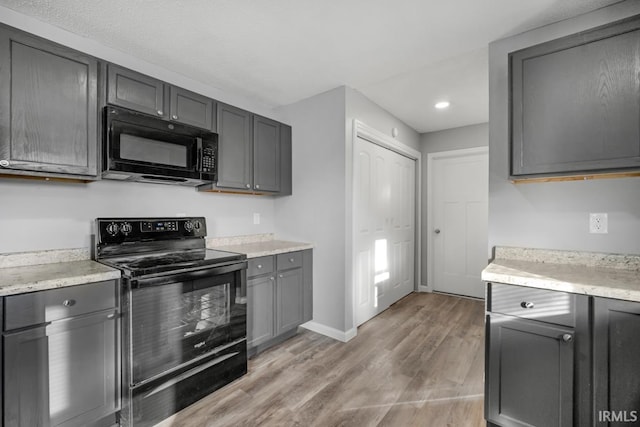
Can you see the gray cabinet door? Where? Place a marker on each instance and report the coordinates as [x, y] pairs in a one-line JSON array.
[[191, 108], [266, 154], [530, 373], [616, 354], [307, 290], [235, 154], [48, 107], [574, 105], [260, 310], [84, 371], [26, 378], [136, 91], [286, 162], [289, 304]]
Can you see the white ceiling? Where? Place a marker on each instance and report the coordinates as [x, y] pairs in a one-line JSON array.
[[403, 54]]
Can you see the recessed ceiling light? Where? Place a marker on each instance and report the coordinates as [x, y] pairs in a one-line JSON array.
[[441, 105]]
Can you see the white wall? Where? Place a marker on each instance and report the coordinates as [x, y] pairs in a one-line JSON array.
[[554, 215], [445, 140], [315, 212], [365, 110], [319, 210], [37, 215]]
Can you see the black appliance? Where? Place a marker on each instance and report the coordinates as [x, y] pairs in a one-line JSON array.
[[140, 147], [184, 313]]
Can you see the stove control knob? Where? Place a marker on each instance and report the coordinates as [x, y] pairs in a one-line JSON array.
[[188, 226], [113, 229], [197, 225], [125, 228]]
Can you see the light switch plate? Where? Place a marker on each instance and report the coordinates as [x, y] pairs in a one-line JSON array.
[[256, 218], [598, 223]]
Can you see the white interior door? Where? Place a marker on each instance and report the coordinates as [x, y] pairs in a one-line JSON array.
[[459, 183], [384, 211]]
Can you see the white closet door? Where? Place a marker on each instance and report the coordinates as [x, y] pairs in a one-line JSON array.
[[384, 211]]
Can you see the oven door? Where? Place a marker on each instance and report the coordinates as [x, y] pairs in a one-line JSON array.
[[178, 319]]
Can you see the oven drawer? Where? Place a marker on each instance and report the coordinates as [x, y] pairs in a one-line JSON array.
[[149, 404], [45, 306], [262, 265], [530, 303], [289, 260]]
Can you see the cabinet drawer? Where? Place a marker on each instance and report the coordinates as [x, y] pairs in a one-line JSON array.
[[289, 260], [536, 304], [46, 306], [262, 265]]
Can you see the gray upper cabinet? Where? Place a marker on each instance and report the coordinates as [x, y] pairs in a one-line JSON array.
[[266, 154], [235, 147], [48, 108], [574, 103], [286, 163], [145, 94], [136, 91], [254, 153], [193, 109]]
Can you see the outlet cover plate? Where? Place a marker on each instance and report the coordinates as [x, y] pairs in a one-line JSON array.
[[598, 223]]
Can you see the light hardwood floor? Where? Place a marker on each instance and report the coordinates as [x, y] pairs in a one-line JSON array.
[[419, 363]]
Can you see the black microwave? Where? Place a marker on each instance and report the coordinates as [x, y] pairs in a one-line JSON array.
[[140, 147]]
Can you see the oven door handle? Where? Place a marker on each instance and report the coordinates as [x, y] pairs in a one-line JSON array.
[[183, 276]]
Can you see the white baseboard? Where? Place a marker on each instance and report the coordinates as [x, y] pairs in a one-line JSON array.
[[424, 288], [330, 332]]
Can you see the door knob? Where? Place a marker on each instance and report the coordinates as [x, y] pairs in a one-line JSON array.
[[437, 231], [567, 337]]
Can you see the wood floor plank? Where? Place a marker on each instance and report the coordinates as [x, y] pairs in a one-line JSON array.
[[419, 363]]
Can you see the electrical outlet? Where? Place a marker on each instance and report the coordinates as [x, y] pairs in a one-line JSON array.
[[598, 223], [256, 218]]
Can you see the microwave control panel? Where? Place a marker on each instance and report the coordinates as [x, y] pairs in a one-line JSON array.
[[208, 158]]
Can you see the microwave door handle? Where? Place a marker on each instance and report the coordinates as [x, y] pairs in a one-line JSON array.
[[199, 156]]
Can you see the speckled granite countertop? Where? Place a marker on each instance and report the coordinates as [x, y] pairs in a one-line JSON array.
[[597, 274], [37, 271], [256, 245]]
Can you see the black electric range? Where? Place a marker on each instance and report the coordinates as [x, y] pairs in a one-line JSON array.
[[184, 313]]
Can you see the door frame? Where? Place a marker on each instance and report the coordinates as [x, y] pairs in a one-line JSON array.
[[363, 131], [431, 157]]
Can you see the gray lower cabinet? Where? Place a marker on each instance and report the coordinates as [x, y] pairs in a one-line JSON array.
[[616, 359], [48, 108], [574, 103], [531, 370], [279, 298], [61, 363], [559, 359], [261, 326]]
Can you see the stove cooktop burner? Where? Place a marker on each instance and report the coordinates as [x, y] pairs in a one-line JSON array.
[[146, 246], [152, 263]]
